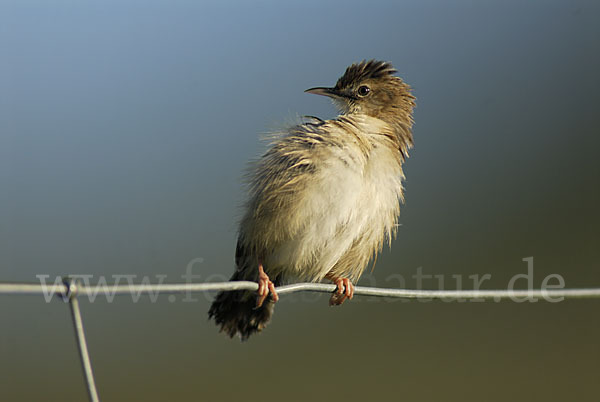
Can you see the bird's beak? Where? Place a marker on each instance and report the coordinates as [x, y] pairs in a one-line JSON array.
[[331, 92]]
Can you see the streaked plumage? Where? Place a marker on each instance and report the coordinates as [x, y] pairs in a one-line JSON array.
[[326, 195]]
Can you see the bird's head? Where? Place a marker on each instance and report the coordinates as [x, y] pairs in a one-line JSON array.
[[371, 88]]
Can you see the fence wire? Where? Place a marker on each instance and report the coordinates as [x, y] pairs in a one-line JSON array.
[[70, 290], [174, 288]]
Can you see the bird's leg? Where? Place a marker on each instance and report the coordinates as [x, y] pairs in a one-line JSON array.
[[345, 290], [264, 286]]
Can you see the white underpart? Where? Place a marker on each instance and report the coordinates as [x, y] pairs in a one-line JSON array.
[[352, 198]]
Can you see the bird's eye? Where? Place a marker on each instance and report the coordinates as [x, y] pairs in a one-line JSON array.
[[363, 90]]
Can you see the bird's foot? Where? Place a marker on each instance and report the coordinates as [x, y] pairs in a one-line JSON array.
[[345, 290], [265, 285]]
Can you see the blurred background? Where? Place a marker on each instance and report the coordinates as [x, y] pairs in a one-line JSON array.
[[125, 128]]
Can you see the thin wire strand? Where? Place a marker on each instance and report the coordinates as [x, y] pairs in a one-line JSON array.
[[30, 289], [138, 289], [71, 291], [84, 355]]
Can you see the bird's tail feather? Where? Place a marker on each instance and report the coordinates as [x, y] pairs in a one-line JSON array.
[[236, 312]]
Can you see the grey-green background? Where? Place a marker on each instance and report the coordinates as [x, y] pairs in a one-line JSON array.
[[125, 127]]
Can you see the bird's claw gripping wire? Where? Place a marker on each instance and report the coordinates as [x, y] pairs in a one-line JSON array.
[[265, 285], [344, 290]]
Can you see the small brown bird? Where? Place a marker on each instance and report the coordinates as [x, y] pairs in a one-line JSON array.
[[324, 198]]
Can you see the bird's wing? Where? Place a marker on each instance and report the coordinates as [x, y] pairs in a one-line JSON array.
[[278, 183]]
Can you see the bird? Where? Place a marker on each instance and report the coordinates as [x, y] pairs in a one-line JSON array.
[[324, 198]]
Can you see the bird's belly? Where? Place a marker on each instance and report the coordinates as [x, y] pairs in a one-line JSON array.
[[345, 207]]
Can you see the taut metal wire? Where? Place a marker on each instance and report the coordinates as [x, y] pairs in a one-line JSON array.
[[171, 288], [71, 291]]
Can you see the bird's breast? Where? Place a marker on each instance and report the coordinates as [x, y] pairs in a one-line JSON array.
[[351, 201]]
